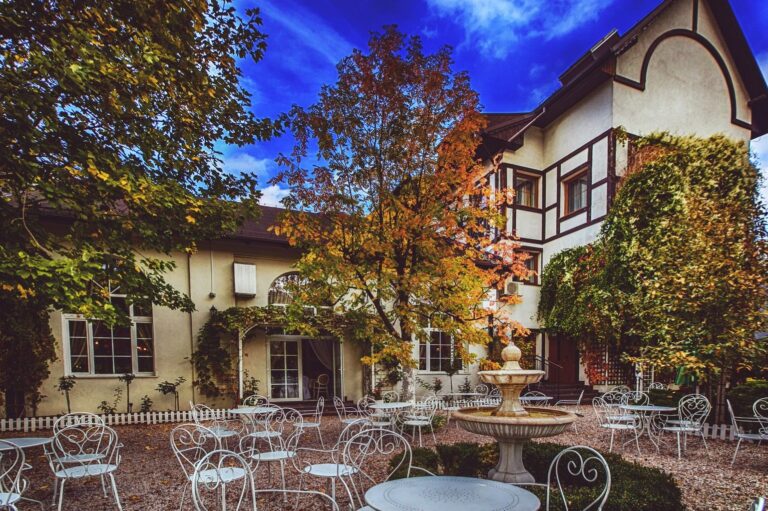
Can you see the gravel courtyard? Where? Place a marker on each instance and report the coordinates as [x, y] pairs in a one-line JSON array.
[[150, 478]]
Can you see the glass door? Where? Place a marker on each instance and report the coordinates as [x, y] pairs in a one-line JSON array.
[[285, 368]]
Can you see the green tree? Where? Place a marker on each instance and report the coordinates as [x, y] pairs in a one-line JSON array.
[[111, 111], [677, 276], [394, 220]]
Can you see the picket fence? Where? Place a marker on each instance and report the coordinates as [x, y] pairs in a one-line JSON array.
[[118, 419], [27, 424]]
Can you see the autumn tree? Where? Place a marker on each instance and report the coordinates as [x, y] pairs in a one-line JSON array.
[[677, 276], [109, 117], [395, 216]]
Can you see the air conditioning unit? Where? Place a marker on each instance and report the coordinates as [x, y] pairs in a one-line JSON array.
[[511, 288], [245, 280]]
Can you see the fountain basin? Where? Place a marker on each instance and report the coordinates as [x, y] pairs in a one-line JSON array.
[[511, 433]]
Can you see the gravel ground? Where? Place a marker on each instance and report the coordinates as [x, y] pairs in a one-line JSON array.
[[150, 479]]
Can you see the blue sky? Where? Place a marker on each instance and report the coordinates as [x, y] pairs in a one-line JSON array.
[[514, 50]]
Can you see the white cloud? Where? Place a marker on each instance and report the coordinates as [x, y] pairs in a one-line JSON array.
[[238, 162], [272, 195], [308, 29], [495, 26], [760, 149]]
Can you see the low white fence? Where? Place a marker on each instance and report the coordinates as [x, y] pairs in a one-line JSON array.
[[117, 419], [716, 431]]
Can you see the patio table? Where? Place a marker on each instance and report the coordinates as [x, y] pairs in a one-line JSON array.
[[398, 405], [449, 493], [27, 442], [252, 410], [646, 414]]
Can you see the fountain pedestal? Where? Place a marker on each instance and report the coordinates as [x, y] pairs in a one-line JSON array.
[[511, 423]]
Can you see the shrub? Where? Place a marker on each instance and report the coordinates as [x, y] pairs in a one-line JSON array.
[[743, 396], [633, 486]]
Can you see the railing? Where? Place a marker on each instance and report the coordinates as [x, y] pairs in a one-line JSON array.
[[551, 370]]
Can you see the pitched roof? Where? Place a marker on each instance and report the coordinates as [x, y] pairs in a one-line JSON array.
[[597, 65], [259, 229]]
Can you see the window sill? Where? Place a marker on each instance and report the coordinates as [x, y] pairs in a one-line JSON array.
[[442, 373], [573, 214], [108, 376]]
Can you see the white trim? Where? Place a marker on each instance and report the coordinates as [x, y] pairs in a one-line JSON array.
[[298, 339]]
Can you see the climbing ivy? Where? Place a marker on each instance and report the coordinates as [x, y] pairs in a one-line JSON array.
[[677, 275]]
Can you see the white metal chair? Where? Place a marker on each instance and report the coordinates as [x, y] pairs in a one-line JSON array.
[[12, 484], [635, 397], [692, 411], [422, 419], [320, 386], [81, 452], [760, 409], [745, 428], [363, 452], [222, 428], [758, 504], [536, 401], [582, 463], [279, 448], [213, 488], [608, 420], [255, 400], [347, 415], [378, 419], [315, 419], [657, 385], [331, 466], [190, 443], [622, 389], [570, 402], [84, 419]]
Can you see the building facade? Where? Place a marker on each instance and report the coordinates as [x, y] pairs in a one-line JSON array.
[[685, 68]]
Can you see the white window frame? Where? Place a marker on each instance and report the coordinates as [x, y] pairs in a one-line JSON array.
[[67, 317], [429, 369]]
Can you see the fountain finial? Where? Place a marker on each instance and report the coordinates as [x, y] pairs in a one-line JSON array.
[[511, 356]]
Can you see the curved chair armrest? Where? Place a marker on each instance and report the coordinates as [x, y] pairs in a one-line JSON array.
[[422, 470]]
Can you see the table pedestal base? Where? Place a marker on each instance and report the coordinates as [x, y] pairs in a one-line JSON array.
[[510, 468]]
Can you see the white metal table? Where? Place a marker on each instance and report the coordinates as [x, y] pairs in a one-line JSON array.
[[646, 414], [390, 407], [449, 493], [26, 442], [252, 410]]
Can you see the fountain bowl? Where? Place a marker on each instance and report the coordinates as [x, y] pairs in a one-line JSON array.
[[540, 422]]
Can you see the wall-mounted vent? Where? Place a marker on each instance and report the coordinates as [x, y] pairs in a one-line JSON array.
[[245, 280]]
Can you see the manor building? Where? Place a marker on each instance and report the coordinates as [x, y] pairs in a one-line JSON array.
[[685, 68]]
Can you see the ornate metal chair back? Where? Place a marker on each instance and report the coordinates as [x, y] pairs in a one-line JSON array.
[[580, 464], [694, 409], [11, 466], [84, 419], [190, 443]]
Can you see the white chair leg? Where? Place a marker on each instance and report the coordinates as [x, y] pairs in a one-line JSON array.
[[320, 436], [114, 489], [434, 439], [738, 444], [103, 486], [61, 493], [183, 494], [703, 439], [637, 442], [679, 453], [610, 448]]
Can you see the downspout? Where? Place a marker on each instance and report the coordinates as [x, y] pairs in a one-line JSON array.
[[240, 366], [191, 326]]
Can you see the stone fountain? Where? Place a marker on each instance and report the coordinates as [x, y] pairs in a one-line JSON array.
[[511, 423]]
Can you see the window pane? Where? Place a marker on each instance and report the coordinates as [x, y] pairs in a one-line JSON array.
[[78, 347], [142, 309], [122, 347], [276, 347], [123, 365], [423, 356], [144, 348], [146, 364], [277, 362], [102, 347], [77, 329], [79, 364], [103, 365], [292, 348]]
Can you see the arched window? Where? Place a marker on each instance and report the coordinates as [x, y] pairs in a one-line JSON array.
[[281, 288]]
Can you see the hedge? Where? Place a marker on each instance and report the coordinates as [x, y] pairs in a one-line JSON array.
[[633, 486]]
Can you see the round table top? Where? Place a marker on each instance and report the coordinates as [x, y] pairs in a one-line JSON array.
[[391, 406], [466, 394], [252, 410], [648, 408], [450, 493], [26, 442], [535, 398]]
